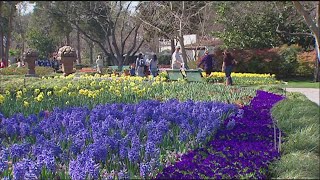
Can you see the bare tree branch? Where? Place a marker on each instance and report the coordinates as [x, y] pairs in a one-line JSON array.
[[137, 49], [124, 42], [289, 33], [160, 30], [305, 14]]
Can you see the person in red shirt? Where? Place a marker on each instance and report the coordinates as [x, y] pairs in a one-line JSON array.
[[2, 65], [227, 66]]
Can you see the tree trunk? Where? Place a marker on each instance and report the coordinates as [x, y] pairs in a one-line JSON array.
[[1, 45], [183, 51], [1, 33], [317, 36], [172, 46], [120, 63], [126, 59], [23, 44], [68, 39], [8, 43], [316, 77], [78, 46], [181, 39], [314, 27], [91, 53]]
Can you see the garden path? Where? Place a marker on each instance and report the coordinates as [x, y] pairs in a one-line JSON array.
[[311, 93]]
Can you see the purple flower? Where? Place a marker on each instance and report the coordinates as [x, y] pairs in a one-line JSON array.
[[18, 151], [145, 169], [83, 167], [26, 169], [248, 145], [231, 124], [46, 159]]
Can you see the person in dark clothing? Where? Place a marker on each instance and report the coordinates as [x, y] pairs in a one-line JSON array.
[[227, 66], [207, 61], [55, 64]]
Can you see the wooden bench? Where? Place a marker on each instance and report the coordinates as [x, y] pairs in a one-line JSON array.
[[194, 76], [174, 74]]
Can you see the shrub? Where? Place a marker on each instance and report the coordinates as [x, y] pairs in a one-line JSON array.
[[164, 59], [289, 63], [296, 165], [284, 61], [41, 71], [306, 62]]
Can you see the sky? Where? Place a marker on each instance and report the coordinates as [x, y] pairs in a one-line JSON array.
[[29, 7]]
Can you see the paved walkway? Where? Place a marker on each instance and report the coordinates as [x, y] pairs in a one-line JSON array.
[[311, 93]]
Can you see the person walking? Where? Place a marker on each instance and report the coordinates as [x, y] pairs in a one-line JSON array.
[[177, 62], [99, 63], [207, 61], [227, 66], [140, 65], [153, 64]]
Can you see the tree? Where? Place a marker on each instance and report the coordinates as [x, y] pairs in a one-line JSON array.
[[249, 24], [8, 10], [20, 27], [59, 27], [1, 31], [314, 25], [12, 9], [172, 19], [110, 25], [40, 41]]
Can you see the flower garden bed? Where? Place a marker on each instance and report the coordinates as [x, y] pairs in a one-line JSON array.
[[141, 140], [114, 137], [60, 123], [243, 149], [46, 93]]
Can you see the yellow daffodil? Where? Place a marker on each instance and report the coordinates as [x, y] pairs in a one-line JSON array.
[[36, 91], [93, 83], [49, 93], [1, 98], [39, 98], [19, 93], [25, 104]]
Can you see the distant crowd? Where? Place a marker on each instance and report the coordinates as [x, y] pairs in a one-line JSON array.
[[54, 63]]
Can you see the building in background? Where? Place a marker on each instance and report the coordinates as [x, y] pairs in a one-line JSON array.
[[194, 45]]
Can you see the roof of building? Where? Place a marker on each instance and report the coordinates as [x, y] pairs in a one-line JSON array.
[[203, 43]]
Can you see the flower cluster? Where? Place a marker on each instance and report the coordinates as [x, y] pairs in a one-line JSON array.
[[243, 78], [243, 149], [110, 138]]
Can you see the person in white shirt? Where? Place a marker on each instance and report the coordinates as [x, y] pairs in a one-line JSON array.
[[140, 65], [99, 63], [19, 63], [177, 62]]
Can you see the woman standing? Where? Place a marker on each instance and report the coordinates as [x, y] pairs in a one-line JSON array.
[[227, 66], [140, 63], [154, 65]]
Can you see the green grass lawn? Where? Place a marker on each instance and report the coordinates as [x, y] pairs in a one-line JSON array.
[[302, 83]]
